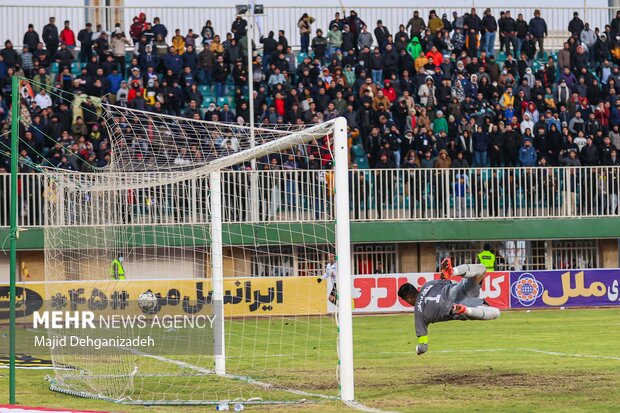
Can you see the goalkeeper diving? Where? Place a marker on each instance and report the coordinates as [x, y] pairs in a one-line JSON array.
[[445, 300]]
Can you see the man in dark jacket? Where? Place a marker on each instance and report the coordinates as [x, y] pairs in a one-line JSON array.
[[63, 56], [31, 38], [496, 148], [522, 30], [390, 61], [239, 28], [416, 23], [50, 36], [355, 25], [538, 29], [9, 54], [575, 26], [85, 36], [489, 25], [381, 34], [508, 30], [319, 45], [512, 143], [589, 154], [220, 73], [173, 61], [269, 47]]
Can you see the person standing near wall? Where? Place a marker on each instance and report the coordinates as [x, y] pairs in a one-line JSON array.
[[50, 36], [487, 258], [304, 31], [117, 271]]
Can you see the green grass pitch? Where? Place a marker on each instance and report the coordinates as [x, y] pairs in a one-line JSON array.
[[543, 361]]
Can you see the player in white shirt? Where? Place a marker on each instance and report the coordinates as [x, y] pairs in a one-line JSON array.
[[331, 272]]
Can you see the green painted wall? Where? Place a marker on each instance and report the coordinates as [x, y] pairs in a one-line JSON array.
[[375, 231]]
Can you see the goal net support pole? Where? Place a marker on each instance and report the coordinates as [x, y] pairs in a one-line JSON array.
[[343, 257], [217, 271]]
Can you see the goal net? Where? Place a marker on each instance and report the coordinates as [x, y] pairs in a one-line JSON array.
[[198, 250]]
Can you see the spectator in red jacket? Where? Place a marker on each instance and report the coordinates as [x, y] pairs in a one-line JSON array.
[[279, 104], [389, 91], [436, 55], [67, 36], [135, 91]]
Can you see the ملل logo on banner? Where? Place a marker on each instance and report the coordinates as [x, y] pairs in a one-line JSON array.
[[526, 289]]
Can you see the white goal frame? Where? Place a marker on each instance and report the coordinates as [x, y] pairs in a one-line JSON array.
[[343, 259]]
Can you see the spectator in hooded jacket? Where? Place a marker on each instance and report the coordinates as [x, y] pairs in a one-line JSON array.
[[527, 154]]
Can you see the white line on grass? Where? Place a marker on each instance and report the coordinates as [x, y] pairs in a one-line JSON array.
[[497, 350], [480, 350], [555, 353], [364, 408]]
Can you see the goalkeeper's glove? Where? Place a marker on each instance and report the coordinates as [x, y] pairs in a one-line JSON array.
[[422, 345], [319, 280]]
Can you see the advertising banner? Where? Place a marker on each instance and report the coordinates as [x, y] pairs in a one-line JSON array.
[[242, 296], [378, 293], [564, 288]]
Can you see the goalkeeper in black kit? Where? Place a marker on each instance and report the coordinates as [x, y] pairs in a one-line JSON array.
[[444, 300]]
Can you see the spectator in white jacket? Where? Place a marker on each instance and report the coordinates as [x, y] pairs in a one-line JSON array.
[[526, 123], [426, 92], [43, 100]]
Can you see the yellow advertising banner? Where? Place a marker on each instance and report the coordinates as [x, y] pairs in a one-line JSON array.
[[242, 296]]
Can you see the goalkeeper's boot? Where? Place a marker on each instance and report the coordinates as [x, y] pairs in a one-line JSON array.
[[459, 312], [446, 268]]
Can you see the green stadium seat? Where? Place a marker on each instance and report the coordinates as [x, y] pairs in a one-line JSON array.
[[301, 57], [543, 57], [54, 67], [207, 101], [76, 68], [222, 100]]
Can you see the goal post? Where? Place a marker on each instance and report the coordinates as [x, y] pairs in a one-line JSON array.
[[217, 272], [343, 254]]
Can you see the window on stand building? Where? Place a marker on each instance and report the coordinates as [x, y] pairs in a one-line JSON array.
[[525, 255], [375, 259]]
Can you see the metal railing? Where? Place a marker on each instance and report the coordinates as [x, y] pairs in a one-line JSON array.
[[16, 18], [306, 196]]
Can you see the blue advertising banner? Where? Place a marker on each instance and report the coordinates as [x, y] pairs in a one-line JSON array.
[[565, 288]]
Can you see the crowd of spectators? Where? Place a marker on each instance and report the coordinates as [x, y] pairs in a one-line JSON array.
[[460, 91]]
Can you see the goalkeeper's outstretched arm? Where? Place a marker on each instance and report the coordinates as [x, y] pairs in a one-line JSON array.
[[330, 269], [409, 293]]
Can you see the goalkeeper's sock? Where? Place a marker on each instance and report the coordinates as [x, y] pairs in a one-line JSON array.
[[469, 270], [482, 313]]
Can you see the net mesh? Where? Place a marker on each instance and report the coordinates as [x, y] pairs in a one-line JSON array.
[[144, 224]]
